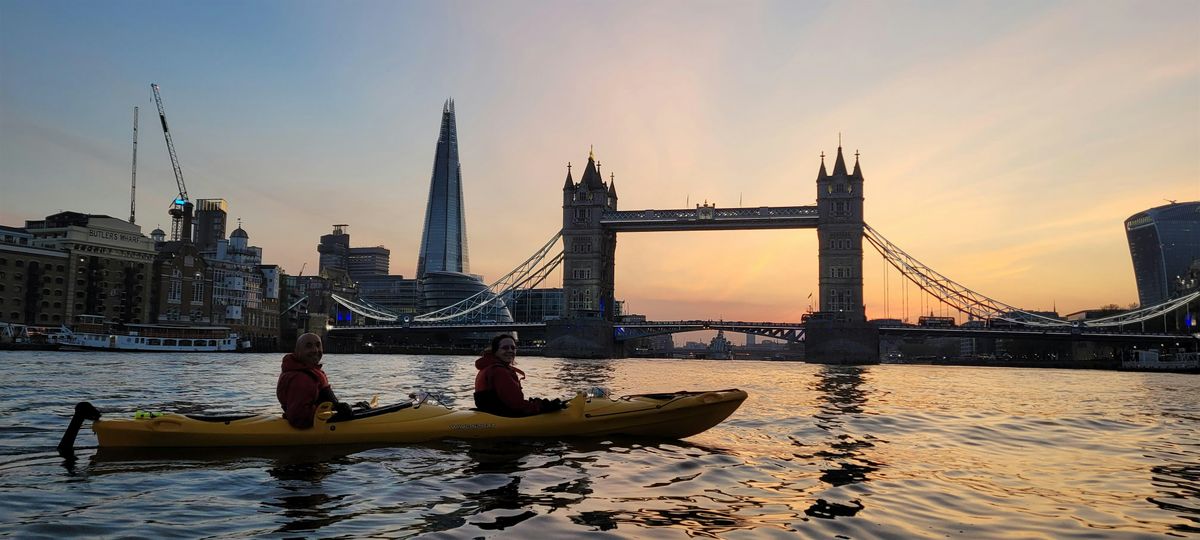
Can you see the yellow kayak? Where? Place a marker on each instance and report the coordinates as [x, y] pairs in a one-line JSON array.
[[674, 416]]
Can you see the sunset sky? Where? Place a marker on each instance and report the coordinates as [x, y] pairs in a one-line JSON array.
[[1003, 143]]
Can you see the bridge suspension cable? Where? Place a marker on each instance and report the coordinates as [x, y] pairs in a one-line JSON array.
[[1146, 313], [950, 292], [525, 276], [981, 307]]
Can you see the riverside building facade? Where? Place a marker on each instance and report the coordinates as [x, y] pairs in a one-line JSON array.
[[245, 292], [182, 291], [33, 280], [108, 267]]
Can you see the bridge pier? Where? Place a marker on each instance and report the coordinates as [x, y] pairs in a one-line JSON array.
[[582, 338], [828, 341]]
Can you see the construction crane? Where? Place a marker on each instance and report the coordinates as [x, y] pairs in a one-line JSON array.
[[181, 207]]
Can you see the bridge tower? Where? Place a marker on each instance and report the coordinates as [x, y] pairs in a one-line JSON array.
[[589, 251], [840, 233], [839, 333]]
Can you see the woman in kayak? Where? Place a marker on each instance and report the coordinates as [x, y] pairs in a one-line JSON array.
[[498, 387]]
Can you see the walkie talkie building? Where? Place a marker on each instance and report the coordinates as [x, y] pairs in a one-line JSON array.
[[1163, 242]]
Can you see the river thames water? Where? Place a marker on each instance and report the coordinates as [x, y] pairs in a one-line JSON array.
[[816, 452]]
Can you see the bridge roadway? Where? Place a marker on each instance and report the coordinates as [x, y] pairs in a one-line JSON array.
[[434, 327], [1054, 334], [790, 332], [624, 331]]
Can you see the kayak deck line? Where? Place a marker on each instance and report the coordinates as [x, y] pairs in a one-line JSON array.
[[673, 397], [662, 415]]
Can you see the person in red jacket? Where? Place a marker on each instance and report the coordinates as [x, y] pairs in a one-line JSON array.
[[497, 386], [303, 385]]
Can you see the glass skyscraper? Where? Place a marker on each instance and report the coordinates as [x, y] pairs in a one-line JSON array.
[[1163, 243], [443, 269], [444, 241]]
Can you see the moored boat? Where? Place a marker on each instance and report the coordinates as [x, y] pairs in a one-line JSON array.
[[94, 335], [1153, 360], [670, 416]]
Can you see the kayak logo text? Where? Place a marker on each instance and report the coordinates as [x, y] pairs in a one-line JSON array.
[[461, 427]]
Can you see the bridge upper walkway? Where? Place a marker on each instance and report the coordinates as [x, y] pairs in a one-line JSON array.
[[711, 218]]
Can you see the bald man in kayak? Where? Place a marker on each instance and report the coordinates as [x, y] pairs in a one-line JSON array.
[[303, 385]]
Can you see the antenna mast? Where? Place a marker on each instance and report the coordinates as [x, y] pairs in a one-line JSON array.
[[133, 180]]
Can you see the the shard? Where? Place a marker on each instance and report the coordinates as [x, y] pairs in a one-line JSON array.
[[444, 240]]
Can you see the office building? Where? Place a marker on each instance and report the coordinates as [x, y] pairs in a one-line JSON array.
[[1163, 243], [334, 250], [393, 293], [444, 239], [211, 217], [368, 261], [537, 305]]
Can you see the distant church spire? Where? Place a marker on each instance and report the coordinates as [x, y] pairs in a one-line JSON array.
[[444, 239]]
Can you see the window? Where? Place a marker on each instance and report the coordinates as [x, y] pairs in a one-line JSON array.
[[197, 292], [175, 291]]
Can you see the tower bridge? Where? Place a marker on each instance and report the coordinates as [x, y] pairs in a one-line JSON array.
[[592, 221], [837, 333]]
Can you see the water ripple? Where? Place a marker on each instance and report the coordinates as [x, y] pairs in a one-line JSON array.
[[817, 451]]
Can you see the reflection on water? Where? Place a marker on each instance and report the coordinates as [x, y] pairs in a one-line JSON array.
[[817, 451], [304, 504], [840, 395], [580, 374], [1178, 492]]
